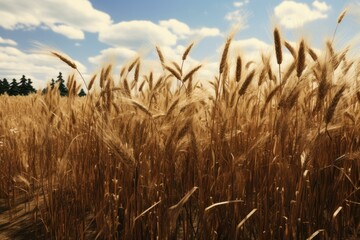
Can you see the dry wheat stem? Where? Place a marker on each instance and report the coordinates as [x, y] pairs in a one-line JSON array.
[[238, 69], [300, 59], [186, 52], [278, 52]]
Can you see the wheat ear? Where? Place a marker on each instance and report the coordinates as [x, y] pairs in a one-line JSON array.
[[301, 59], [278, 52], [70, 63]]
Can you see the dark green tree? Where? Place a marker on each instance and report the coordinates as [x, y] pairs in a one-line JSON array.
[[52, 84], [30, 87], [22, 87], [62, 88], [14, 88], [44, 91], [82, 93], [4, 86]]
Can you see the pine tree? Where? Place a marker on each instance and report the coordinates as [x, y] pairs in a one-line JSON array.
[[30, 87], [62, 88], [44, 91], [52, 84], [82, 93], [4, 87], [14, 88], [23, 89]]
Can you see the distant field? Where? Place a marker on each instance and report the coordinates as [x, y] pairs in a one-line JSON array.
[[266, 152]]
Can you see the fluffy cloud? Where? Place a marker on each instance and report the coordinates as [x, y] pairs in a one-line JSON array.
[[321, 6], [133, 34], [57, 15], [39, 67], [183, 31], [238, 16], [179, 28], [136, 34], [250, 45], [68, 31], [241, 3], [7, 41], [118, 55], [292, 14]]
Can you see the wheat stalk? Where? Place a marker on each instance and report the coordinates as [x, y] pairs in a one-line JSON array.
[[246, 83], [186, 52], [332, 107], [161, 56], [312, 54], [225, 54], [290, 48], [300, 59], [92, 80], [173, 72], [278, 52], [278, 49], [189, 74], [238, 69]]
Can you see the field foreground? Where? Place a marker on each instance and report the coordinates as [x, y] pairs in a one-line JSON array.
[[260, 153]]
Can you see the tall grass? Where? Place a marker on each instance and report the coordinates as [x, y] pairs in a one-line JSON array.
[[138, 159]]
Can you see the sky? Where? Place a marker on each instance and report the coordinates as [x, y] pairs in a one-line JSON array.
[[96, 32]]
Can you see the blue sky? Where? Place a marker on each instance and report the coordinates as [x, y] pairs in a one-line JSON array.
[[94, 32]]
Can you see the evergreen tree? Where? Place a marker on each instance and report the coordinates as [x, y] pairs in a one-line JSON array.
[[30, 87], [23, 88], [52, 84], [44, 91], [62, 88], [82, 93], [14, 88], [4, 87]]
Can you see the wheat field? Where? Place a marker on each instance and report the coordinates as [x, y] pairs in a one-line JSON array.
[[259, 152]]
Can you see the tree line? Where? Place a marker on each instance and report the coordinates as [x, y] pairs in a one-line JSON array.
[[24, 87]]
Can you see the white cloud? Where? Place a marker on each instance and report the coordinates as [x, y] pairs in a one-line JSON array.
[[250, 44], [68, 31], [179, 28], [134, 34], [321, 6], [80, 15], [238, 4], [207, 32], [241, 3], [117, 54], [250, 48], [7, 41], [292, 14], [39, 67], [183, 31], [238, 16]]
